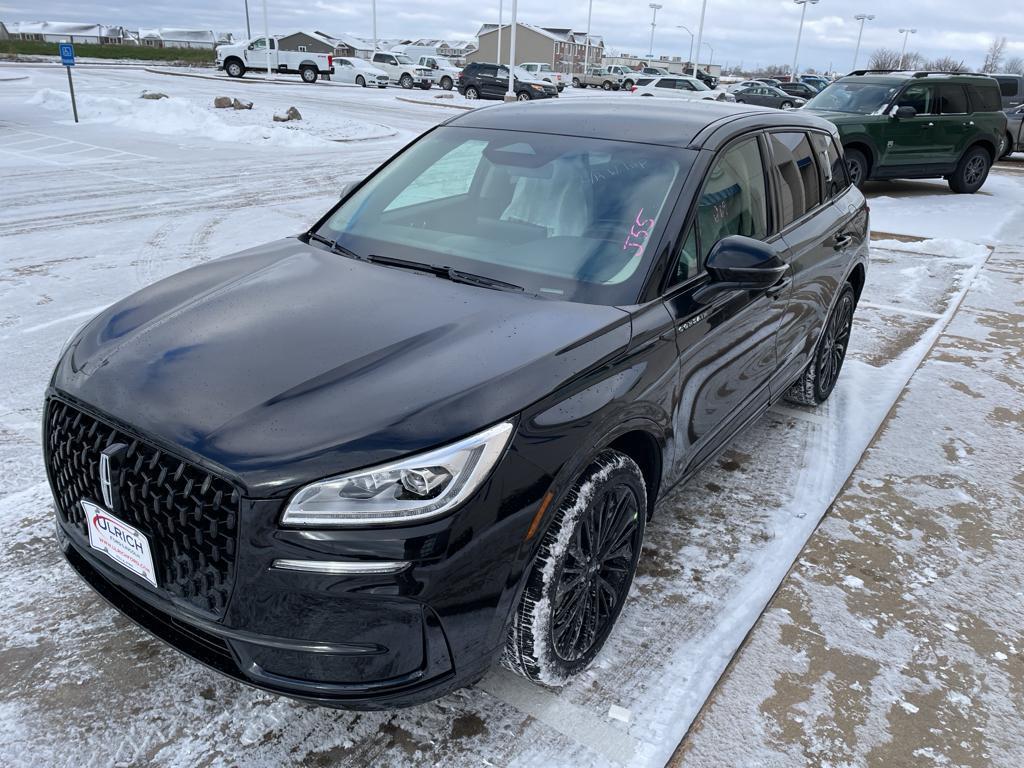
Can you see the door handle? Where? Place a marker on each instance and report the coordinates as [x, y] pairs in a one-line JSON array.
[[842, 241], [779, 287]]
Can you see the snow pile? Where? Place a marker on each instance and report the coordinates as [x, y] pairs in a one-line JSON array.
[[183, 117], [939, 247]]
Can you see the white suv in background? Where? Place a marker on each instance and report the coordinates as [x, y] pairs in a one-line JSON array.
[[403, 71], [546, 73], [679, 87]]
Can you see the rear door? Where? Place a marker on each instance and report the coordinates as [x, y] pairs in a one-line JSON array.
[[817, 210], [726, 341]]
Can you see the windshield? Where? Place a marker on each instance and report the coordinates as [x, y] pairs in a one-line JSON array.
[[698, 85], [856, 98], [564, 217], [402, 59]]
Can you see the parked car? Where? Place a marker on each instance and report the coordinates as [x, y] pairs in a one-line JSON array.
[[349, 69], [607, 78], [817, 82], [550, 317], [480, 80], [768, 81], [678, 86], [766, 96], [445, 73], [916, 125], [707, 78], [253, 54], [653, 71], [801, 90], [403, 71], [544, 72], [744, 84], [1014, 132], [1011, 90]]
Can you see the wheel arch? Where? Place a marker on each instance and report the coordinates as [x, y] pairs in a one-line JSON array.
[[985, 144], [646, 450], [856, 278], [866, 147], [234, 57], [308, 63]]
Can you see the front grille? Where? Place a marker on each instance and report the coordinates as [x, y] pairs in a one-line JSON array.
[[189, 515]]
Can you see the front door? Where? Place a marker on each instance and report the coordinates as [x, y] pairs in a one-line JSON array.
[[726, 341], [914, 141]]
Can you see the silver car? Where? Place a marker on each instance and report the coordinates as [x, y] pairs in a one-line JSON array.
[[767, 96], [1014, 131]]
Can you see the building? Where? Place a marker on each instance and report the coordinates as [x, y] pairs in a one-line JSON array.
[[675, 65], [68, 32], [563, 48], [169, 37], [307, 42], [453, 50]]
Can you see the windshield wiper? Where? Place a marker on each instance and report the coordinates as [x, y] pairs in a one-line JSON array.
[[448, 273], [336, 246]]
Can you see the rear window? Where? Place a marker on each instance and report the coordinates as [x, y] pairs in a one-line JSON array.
[[645, 81], [800, 190], [985, 98], [831, 161], [1009, 86]]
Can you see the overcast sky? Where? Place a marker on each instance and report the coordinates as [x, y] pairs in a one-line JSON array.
[[754, 32]]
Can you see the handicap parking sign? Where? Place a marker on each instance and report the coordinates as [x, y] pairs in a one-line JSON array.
[[67, 54]]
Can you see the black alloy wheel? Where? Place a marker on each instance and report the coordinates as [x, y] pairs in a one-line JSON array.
[[856, 167], [817, 382], [582, 574], [971, 171]]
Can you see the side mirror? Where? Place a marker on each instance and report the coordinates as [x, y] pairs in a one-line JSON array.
[[738, 263], [903, 113]]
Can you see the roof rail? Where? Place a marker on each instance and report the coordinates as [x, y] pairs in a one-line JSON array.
[[914, 72], [873, 71], [924, 73]]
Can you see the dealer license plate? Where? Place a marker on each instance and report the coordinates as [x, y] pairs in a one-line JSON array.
[[122, 543]]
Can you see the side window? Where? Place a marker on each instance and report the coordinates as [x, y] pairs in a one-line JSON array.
[[830, 159], [687, 264], [920, 97], [799, 190], [733, 200], [685, 85], [666, 83], [952, 100], [302, 49], [450, 176], [984, 98]]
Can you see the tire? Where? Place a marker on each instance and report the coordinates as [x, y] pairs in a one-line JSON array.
[[576, 83], [607, 85], [523, 96], [234, 68], [1009, 147], [786, 105], [627, 84], [406, 81], [856, 167], [360, 81], [472, 93], [971, 171], [561, 621], [424, 86], [740, 101], [309, 74], [817, 382], [446, 83]]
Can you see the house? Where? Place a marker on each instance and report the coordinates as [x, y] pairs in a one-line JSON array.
[[307, 42], [67, 32], [350, 45], [169, 37], [563, 47]]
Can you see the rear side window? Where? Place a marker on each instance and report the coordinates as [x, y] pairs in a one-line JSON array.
[[665, 83], [985, 98], [1009, 86], [830, 159], [645, 81], [952, 100], [800, 189]]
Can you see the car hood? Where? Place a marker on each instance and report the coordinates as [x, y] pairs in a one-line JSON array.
[[288, 363]]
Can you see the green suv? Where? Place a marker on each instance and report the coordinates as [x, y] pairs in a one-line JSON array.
[[916, 125]]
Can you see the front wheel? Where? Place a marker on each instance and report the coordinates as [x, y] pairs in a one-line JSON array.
[[446, 83], [308, 74], [786, 105], [627, 84], [856, 167], [971, 171], [360, 81], [576, 83], [523, 96], [740, 101], [235, 69], [406, 81], [582, 574], [817, 382]]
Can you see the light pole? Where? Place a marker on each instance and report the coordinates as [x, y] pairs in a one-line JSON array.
[[690, 57], [266, 35], [700, 33], [501, 14], [373, 8], [903, 51], [248, 29], [654, 18], [511, 94], [586, 51], [861, 17], [800, 32]]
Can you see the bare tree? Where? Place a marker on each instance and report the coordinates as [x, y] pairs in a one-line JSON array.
[[884, 58], [945, 64], [1014, 66], [994, 55], [772, 70]]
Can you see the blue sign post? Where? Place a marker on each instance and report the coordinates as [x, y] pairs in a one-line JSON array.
[[67, 58]]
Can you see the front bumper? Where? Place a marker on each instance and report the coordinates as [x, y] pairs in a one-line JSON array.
[[355, 641]]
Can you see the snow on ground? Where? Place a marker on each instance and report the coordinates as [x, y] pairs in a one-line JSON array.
[[92, 212]]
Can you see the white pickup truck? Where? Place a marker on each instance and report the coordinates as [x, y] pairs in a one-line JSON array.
[[403, 71], [445, 73], [253, 54]]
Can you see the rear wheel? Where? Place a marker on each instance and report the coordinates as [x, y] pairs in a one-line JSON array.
[[856, 167], [309, 74], [627, 84], [472, 93], [425, 86], [576, 83], [971, 171], [446, 83], [818, 381], [1007, 147], [360, 81], [582, 574], [607, 85]]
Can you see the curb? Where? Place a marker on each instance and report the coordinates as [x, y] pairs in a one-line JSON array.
[[434, 104]]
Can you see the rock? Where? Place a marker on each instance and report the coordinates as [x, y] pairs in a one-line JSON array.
[[241, 104], [291, 114], [222, 102], [152, 95], [444, 96]]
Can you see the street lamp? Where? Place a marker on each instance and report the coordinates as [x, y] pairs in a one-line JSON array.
[[903, 51], [248, 29], [800, 32], [690, 57], [373, 8], [266, 36], [654, 17], [711, 59], [861, 17], [700, 33]]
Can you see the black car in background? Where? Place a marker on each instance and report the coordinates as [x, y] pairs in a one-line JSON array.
[[802, 90], [707, 78], [767, 96], [361, 465], [480, 80]]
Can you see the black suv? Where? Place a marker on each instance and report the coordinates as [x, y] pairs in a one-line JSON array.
[[916, 125], [490, 81], [360, 465]]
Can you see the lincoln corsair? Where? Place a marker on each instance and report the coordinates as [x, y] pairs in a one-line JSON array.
[[361, 465]]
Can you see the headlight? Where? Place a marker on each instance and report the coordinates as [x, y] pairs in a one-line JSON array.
[[537, 87], [408, 490]]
